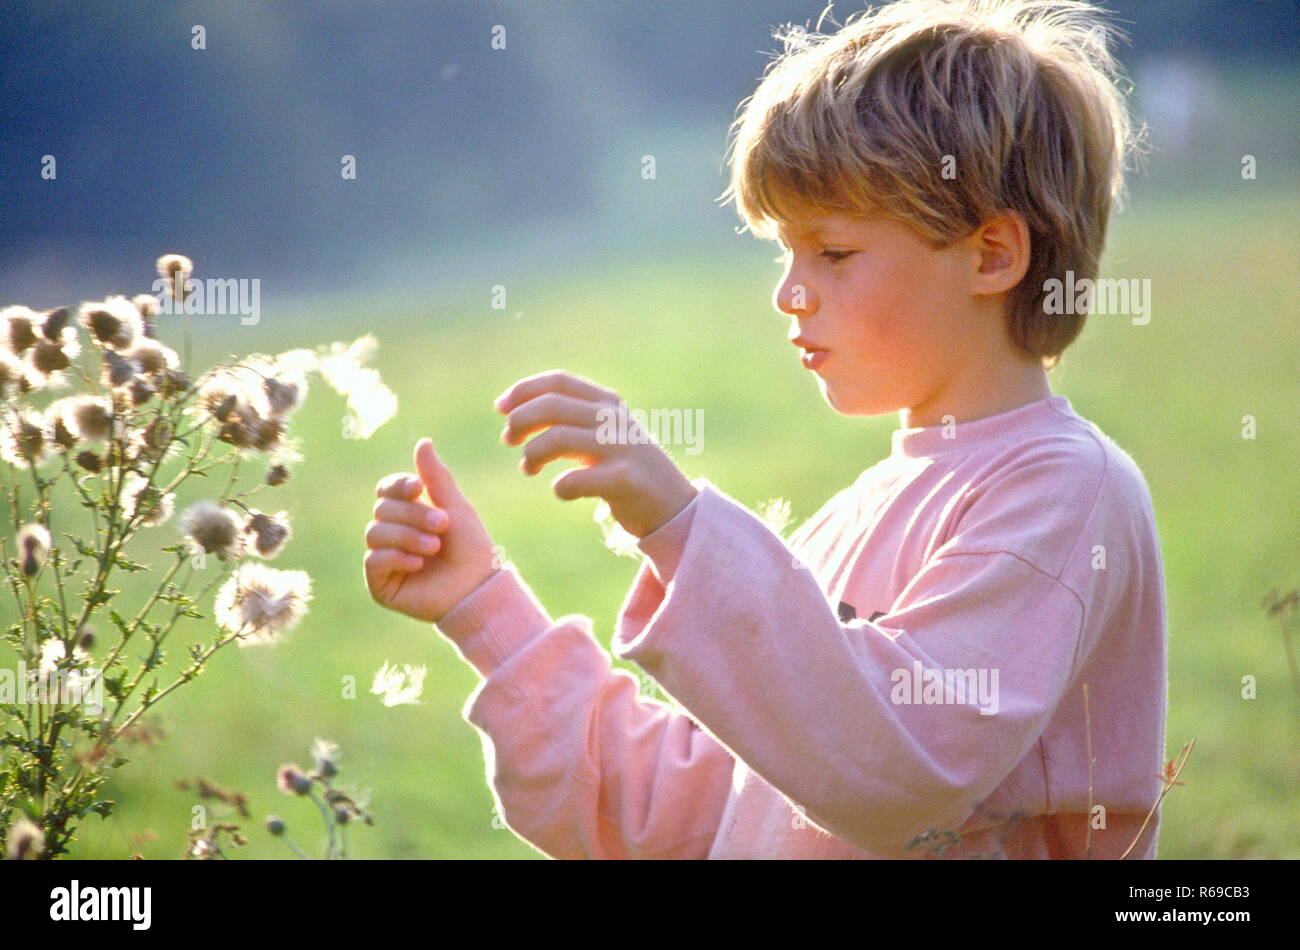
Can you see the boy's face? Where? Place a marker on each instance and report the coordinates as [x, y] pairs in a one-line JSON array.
[[898, 319]]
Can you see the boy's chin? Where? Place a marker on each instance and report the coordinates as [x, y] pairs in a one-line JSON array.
[[855, 403]]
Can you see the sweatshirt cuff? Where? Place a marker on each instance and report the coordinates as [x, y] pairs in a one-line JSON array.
[[665, 544], [495, 620]]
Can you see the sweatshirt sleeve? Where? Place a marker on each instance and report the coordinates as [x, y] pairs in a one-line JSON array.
[[745, 639], [580, 764]]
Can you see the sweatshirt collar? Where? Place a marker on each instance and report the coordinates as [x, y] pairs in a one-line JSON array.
[[1022, 421]]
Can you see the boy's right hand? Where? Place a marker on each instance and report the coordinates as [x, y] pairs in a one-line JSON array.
[[425, 579]]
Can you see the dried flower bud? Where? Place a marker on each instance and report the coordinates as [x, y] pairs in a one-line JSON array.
[[274, 825], [20, 329], [55, 322], [177, 269], [213, 528], [283, 396], [141, 391], [114, 322], [48, 357], [90, 417], [268, 533], [277, 475], [323, 754], [173, 382], [26, 840], [62, 436], [292, 781], [27, 443], [153, 357], [155, 438], [33, 547], [266, 433], [90, 462], [236, 434], [118, 370], [225, 407], [170, 264], [85, 636]]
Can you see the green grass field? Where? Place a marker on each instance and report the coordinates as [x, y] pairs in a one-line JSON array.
[[699, 332]]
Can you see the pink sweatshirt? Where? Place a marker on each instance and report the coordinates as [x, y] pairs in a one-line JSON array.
[[910, 663]]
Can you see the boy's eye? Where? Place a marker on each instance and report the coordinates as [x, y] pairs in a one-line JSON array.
[[833, 256]]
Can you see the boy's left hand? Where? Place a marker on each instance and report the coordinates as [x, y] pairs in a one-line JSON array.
[[642, 486]]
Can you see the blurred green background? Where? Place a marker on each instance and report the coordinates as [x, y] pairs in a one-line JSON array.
[[684, 319]]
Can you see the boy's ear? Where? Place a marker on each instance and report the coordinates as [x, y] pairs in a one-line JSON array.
[[1002, 248]]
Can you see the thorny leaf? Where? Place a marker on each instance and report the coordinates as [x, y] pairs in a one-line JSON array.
[[102, 808]]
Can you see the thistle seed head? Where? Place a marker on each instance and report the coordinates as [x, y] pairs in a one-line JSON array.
[[33, 547], [19, 326], [113, 322], [214, 529], [268, 534]]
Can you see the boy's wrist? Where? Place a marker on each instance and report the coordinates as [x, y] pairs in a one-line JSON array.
[[494, 620], [474, 588], [664, 546]]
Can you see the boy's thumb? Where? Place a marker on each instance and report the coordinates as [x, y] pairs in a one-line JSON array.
[[438, 483]]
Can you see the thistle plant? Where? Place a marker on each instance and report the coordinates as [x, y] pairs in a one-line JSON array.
[[90, 478], [338, 809]]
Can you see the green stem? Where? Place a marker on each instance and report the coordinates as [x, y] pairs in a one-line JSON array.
[[158, 641], [185, 677], [89, 502], [329, 823], [293, 847], [144, 611]]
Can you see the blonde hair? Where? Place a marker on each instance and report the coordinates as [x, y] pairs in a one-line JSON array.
[[1017, 97]]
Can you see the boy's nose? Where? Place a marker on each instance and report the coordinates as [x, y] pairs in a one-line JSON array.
[[794, 298]]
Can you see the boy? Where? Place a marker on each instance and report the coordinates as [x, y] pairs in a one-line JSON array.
[[905, 677]]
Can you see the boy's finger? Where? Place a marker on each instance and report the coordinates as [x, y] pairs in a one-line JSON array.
[[591, 481], [555, 380], [388, 560], [385, 534], [400, 485], [436, 477], [573, 442], [413, 513], [548, 410]]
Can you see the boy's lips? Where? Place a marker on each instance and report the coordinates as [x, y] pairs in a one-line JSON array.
[[813, 355], [814, 358]]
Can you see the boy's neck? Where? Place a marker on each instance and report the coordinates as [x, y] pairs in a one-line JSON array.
[[982, 392]]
